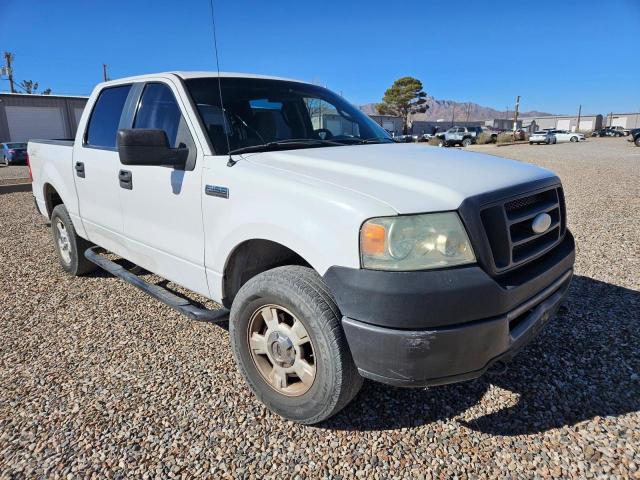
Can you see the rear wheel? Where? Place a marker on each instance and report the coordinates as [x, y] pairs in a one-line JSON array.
[[69, 246], [530, 143], [288, 343], [466, 142]]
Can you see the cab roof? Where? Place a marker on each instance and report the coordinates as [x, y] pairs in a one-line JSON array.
[[189, 75]]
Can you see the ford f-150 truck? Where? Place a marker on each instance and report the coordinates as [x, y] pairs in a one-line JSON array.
[[341, 254]]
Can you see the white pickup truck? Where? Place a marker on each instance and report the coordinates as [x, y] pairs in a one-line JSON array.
[[340, 253]]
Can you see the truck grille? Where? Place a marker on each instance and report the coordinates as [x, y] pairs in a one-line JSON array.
[[508, 227]]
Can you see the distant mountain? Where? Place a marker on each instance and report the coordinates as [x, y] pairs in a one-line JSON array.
[[444, 109]]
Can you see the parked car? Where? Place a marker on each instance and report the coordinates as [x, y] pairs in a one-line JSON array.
[[520, 134], [635, 136], [13, 153], [542, 136], [463, 136], [562, 136], [404, 138], [618, 128], [339, 258], [607, 132]]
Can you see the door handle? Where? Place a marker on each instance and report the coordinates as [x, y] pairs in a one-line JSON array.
[[80, 169], [126, 179]]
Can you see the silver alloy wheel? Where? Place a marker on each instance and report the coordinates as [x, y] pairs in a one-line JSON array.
[[64, 244], [281, 350]]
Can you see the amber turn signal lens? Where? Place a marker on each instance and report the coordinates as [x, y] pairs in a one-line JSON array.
[[373, 239]]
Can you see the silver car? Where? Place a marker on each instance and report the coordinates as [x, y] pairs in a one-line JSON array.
[[542, 136]]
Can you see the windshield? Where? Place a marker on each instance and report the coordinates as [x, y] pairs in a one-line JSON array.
[[264, 112]]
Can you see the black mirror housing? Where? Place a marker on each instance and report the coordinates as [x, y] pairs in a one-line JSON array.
[[149, 146]]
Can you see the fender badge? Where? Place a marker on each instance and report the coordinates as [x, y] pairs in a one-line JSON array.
[[216, 191]]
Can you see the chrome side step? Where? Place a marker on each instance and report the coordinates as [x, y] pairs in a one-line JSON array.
[[156, 291]]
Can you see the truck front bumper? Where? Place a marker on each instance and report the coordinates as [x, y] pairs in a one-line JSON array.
[[444, 326]]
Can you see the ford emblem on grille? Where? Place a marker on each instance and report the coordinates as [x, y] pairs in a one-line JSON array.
[[541, 223]]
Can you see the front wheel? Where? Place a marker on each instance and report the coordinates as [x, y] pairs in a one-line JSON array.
[[289, 345], [574, 139], [69, 246]]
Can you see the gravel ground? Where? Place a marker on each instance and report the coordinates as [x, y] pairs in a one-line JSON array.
[[98, 380]]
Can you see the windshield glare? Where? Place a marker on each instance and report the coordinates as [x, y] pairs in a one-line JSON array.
[[260, 111]]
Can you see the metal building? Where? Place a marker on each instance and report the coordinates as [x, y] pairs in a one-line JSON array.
[[624, 120], [23, 117], [390, 123], [568, 122]]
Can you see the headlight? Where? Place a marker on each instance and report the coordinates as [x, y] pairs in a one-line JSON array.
[[415, 242]]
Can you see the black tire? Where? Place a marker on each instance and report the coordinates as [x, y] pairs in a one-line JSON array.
[[530, 143], [573, 139], [302, 292], [637, 141], [77, 263], [466, 142]]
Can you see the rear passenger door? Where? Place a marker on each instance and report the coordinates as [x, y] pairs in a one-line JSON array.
[[162, 206], [95, 169]]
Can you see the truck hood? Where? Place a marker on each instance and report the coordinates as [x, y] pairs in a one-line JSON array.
[[409, 178]]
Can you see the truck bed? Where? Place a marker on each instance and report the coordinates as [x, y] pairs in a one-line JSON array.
[[51, 163]]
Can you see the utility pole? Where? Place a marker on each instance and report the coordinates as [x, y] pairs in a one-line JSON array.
[[105, 78], [453, 115], [515, 115], [468, 112], [579, 113], [8, 56]]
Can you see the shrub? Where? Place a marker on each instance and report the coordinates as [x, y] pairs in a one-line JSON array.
[[505, 137], [434, 141], [484, 138]]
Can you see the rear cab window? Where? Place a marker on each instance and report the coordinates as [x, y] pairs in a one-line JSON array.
[[105, 117]]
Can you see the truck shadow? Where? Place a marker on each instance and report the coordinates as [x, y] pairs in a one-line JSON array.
[[584, 364]]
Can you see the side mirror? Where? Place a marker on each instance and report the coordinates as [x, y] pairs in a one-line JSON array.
[[146, 146]]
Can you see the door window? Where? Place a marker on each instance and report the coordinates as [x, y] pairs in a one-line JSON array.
[[105, 118], [158, 109]]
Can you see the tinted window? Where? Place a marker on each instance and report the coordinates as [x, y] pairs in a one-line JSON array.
[[105, 118], [260, 111], [158, 109]]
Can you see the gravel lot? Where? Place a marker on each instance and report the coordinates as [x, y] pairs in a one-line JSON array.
[[99, 380]]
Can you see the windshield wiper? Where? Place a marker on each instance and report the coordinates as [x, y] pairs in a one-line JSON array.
[[363, 141], [291, 142]]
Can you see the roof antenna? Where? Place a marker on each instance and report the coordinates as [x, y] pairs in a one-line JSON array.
[[231, 162]]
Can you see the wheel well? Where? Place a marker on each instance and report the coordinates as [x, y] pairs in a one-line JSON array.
[[51, 198], [251, 258]]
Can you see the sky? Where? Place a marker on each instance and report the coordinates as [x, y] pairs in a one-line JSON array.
[[555, 54]]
